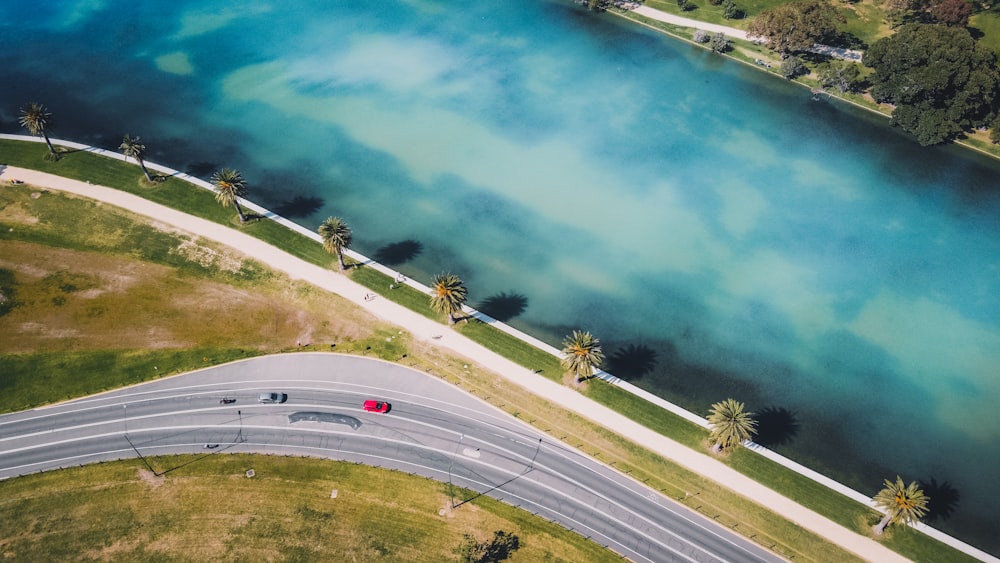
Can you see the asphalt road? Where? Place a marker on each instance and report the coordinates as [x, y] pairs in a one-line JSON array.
[[433, 430]]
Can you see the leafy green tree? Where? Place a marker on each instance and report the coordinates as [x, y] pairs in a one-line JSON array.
[[685, 5], [719, 42], [995, 131], [582, 354], [336, 237], [448, 295], [792, 67], [499, 548], [133, 148], [37, 120], [229, 187], [840, 74], [730, 425], [901, 503], [731, 11], [940, 80], [795, 27]]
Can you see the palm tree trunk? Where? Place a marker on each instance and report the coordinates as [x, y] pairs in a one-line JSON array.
[[880, 527], [239, 210], [52, 150], [144, 171]]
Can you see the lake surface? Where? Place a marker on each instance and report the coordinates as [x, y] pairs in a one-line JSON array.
[[723, 233]]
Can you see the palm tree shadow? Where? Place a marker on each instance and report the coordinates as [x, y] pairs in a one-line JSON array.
[[632, 362], [503, 306], [775, 426], [299, 206], [398, 252], [201, 169], [942, 499]]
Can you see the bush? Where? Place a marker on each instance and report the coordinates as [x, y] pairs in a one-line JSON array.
[[720, 43], [731, 11], [995, 131], [792, 67], [701, 36]]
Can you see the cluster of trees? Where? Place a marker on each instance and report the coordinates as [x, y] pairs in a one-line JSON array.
[[798, 26], [729, 422], [717, 41], [941, 82]]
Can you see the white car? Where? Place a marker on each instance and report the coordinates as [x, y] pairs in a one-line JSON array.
[[272, 398]]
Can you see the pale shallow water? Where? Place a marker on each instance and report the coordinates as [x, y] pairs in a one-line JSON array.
[[723, 233]]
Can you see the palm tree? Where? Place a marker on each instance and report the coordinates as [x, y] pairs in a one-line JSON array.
[[131, 147], [229, 187], [36, 119], [336, 237], [448, 295], [582, 354], [730, 425], [901, 504]]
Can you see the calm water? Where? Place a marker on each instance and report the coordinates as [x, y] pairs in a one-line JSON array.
[[723, 233]]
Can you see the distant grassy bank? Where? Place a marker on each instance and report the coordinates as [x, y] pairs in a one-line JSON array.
[[267, 313]]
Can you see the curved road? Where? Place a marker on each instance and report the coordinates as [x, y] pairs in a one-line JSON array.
[[433, 429]]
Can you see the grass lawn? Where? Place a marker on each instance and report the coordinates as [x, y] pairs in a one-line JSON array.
[[284, 513], [987, 23], [116, 297]]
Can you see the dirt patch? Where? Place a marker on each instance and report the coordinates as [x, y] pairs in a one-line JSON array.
[[148, 477], [16, 213], [208, 257]]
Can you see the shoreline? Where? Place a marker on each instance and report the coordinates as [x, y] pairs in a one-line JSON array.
[[679, 21], [442, 336]]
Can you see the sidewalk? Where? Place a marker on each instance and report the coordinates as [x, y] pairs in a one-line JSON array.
[[836, 52], [440, 335]]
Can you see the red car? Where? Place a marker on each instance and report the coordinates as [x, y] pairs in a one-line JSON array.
[[376, 406]]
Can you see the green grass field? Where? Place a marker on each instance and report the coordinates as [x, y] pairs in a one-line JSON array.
[[209, 510]]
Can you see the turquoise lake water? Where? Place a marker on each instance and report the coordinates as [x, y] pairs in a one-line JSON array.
[[723, 233]]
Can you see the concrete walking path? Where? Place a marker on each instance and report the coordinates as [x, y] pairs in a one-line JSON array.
[[423, 328], [836, 52]]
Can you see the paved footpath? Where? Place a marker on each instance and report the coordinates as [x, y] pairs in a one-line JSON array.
[[440, 335], [836, 52]]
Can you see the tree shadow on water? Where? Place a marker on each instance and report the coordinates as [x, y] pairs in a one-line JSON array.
[[943, 499], [631, 362], [398, 252], [299, 206], [202, 169], [775, 426], [504, 306]]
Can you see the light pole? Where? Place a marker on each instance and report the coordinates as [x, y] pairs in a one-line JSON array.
[[451, 490], [239, 436], [532, 464]]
